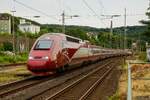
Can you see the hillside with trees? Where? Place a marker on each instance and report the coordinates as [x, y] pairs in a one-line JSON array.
[[104, 38], [146, 33]]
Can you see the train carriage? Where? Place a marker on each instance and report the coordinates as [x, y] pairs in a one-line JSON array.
[[56, 51]]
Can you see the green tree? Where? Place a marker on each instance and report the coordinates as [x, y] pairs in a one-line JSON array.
[[43, 31], [77, 32], [147, 23]]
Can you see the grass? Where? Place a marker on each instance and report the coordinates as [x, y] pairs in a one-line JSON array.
[[13, 59], [114, 97], [139, 87], [14, 74], [142, 56]]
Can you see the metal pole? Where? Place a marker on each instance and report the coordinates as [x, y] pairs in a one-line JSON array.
[[13, 32], [125, 34], [26, 41], [63, 22], [13, 27], [129, 94], [111, 26], [111, 31], [120, 40], [139, 42]]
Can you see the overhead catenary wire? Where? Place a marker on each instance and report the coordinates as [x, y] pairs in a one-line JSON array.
[[91, 10], [95, 14], [70, 9], [101, 6], [59, 4], [130, 15], [134, 14], [36, 10], [100, 3]]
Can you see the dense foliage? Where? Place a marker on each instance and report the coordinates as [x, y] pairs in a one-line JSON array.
[[147, 24], [8, 46], [7, 58], [115, 40]]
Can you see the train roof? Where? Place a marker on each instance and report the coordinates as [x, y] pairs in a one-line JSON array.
[[66, 37]]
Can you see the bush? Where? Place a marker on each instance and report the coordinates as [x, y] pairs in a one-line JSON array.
[[10, 59], [142, 56], [4, 58], [114, 97], [1, 47], [7, 46], [1, 59]]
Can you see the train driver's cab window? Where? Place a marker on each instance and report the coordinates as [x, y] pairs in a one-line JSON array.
[[43, 45]]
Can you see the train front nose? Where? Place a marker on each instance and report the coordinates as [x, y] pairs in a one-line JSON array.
[[40, 64]]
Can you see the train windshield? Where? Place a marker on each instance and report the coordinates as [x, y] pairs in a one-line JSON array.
[[43, 45]]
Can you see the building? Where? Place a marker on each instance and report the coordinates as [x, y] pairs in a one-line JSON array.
[[92, 34], [5, 23], [148, 51], [29, 27]]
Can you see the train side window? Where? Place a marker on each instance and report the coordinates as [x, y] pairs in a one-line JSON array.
[[72, 39], [64, 44]]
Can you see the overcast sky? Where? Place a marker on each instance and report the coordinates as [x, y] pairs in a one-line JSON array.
[[89, 14]]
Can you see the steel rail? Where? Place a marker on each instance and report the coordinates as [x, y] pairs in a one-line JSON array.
[[5, 67], [91, 89], [4, 86], [7, 90], [74, 83], [17, 89], [85, 71], [14, 64]]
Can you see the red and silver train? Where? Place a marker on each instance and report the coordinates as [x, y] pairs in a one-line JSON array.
[[56, 52]]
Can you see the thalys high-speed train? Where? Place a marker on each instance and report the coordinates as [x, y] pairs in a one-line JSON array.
[[54, 52]]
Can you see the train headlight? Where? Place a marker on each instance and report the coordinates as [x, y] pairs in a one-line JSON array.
[[45, 58], [30, 58]]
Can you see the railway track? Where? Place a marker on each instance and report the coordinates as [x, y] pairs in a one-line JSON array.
[[87, 82], [22, 89], [4, 67], [12, 88], [15, 64], [72, 89]]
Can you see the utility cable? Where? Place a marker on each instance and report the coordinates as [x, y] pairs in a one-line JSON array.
[[29, 7], [91, 9], [100, 3]]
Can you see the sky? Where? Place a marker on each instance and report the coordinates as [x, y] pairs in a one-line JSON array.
[[89, 11]]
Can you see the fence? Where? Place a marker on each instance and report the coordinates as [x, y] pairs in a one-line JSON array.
[[22, 44], [130, 92]]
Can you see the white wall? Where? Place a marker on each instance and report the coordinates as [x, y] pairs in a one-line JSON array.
[[29, 28], [148, 54]]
